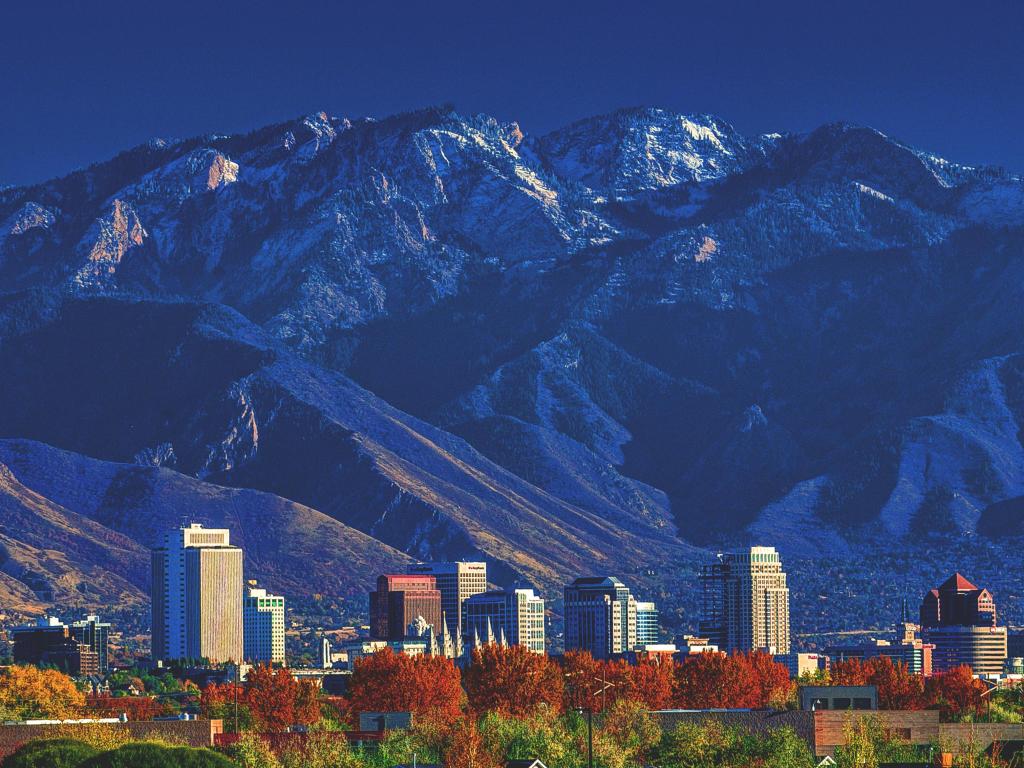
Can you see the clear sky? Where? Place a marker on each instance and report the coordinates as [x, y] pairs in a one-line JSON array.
[[80, 81]]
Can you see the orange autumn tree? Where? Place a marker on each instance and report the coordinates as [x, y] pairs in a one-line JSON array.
[[765, 682], [897, 687], [391, 682], [956, 693], [580, 671], [277, 700], [709, 680], [29, 692], [512, 680], [466, 748], [652, 683], [135, 707], [848, 672]]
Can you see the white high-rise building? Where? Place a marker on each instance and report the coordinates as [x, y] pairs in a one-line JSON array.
[[746, 601], [197, 596], [263, 620], [515, 615]]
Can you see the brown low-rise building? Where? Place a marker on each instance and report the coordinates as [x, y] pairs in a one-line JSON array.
[[190, 733], [825, 730]]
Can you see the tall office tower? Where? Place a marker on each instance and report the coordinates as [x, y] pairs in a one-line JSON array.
[[600, 616], [515, 614], [457, 581], [746, 601], [95, 634], [647, 630], [197, 596], [959, 620], [398, 600], [263, 626]]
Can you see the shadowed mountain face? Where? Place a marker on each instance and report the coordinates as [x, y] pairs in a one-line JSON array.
[[587, 351]]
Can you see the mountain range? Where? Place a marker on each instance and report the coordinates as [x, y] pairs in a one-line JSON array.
[[614, 348]]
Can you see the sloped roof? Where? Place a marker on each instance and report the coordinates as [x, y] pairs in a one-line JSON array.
[[959, 583]]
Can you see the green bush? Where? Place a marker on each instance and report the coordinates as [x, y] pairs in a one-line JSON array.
[[145, 755], [50, 753]]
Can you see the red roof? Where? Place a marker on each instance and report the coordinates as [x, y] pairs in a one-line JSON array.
[[959, 583]]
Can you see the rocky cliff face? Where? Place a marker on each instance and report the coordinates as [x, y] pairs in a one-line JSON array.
[[587, 350]]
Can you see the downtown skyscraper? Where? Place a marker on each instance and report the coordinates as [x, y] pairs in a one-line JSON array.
[[457, 581], [600, 616], [746, 601], [197, 596]]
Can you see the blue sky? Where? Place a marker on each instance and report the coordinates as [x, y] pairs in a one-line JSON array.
[[81, 81]]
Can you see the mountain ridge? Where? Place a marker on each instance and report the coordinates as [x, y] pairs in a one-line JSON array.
[[612, 346]]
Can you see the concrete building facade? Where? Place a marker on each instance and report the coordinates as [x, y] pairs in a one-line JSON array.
[[516, 614], [197, 596]]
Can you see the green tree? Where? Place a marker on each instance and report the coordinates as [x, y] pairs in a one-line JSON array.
[[149, 755], [868, 744], [251, 751], [50, 753], [540, 734], [631, 729]]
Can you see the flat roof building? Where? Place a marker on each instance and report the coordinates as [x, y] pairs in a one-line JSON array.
[[197, 596], [49, 642], [516, 615], [95, 634], [647, 630], [600, 616], [263, 626], [399, 600]]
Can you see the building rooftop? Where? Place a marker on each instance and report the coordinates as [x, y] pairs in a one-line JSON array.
[[959, 583]]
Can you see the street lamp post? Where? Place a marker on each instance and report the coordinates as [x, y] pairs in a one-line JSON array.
[[590, 734]]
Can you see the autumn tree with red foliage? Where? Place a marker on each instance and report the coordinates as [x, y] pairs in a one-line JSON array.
[[753, 680], [897, 687], [848, 672], [135, 707], [277, 700], [512, 680], [765, 681], [580, 672], [391, 682], [652, 683], [956, 693], [273, 697], [707, 680]]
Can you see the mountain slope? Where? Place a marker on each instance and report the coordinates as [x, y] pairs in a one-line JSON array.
[[78, 531], [567, 353], [199, 389]]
